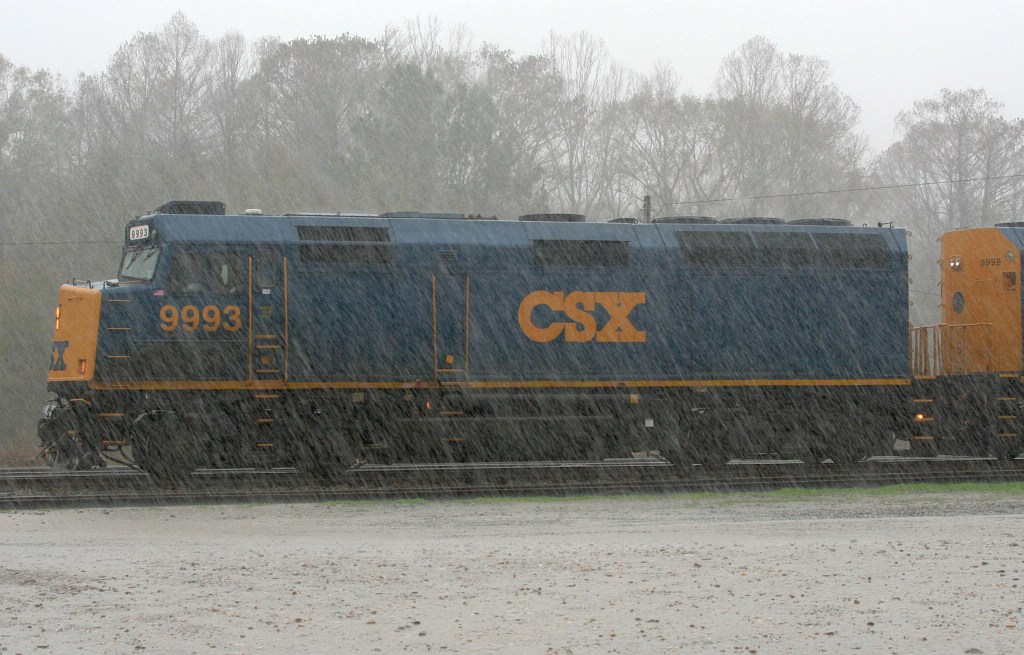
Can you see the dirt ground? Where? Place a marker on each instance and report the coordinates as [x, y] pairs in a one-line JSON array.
[[852, 572]]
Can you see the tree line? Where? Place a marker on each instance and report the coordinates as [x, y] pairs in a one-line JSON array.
[[419, 119]]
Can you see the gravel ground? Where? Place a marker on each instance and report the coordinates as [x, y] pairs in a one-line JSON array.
[[852, 572]]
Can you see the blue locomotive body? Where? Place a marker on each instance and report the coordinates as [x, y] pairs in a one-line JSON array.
[[337, 338]]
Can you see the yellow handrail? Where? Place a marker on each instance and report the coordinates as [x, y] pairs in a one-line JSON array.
[[951, 349]]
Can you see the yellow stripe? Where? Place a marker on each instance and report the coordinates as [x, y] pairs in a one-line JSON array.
[[648, 384], [224, 385]]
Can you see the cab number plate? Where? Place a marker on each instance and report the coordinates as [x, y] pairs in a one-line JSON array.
[[137, 232]]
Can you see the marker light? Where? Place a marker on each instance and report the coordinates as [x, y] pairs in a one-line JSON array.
[[56, 319], [955, 264]]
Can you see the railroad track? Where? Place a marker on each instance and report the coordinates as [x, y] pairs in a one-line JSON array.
[[37, 488]]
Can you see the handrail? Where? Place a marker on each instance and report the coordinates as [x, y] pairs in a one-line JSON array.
[[951, 349]]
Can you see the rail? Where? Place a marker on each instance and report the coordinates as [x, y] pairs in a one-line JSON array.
[[110, 489]]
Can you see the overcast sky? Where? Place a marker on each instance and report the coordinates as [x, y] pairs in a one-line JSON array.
[[885, 54]]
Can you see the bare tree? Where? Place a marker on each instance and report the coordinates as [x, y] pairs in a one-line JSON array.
[[183, 72], [957, 163], [787, 132], [579, 162], [526, 95], [665, 144], [36, 182], [958, 157], [310, 92], [233, 107], [447, 53], [35, 158]]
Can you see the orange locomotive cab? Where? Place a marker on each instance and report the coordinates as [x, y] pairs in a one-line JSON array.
[[971, 363], [981, 302]]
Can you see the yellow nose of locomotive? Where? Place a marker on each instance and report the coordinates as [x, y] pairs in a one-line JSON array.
[[76, 322], [981, 301]]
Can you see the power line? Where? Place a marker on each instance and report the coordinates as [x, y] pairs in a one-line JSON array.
[[868, 188]]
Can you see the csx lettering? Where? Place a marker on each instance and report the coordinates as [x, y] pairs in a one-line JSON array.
[[211, 318], [579, 307], [57, 356]]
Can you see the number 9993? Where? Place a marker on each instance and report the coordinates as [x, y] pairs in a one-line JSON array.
[[210, 318]]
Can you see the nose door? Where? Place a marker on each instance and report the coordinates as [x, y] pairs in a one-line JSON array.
[[451, 327], [269, 307]]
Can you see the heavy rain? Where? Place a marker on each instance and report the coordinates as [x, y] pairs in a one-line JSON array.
[[360, 343]]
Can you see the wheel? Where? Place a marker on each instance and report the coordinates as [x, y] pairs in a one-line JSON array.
[[326, 457], [710, 455], [160, 448], [64, 453], [811, 455], [851, 456], [63, 447], [1006, 449]]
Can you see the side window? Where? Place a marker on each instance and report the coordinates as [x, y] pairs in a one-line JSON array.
[[265, 269], [214, 272], [188, 272], [226, 274]]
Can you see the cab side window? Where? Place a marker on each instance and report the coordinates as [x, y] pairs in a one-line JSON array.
[[211, 272], [226, 273], [188, 272]]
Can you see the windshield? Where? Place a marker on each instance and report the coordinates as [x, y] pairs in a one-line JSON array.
[[139, 264]]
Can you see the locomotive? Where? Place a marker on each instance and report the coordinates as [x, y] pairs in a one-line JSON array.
[[324, 341], [968, 369]]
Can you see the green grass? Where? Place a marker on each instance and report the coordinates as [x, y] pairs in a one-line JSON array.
[[916, 490], [788, 495], [366, 504], [1008, 488]]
